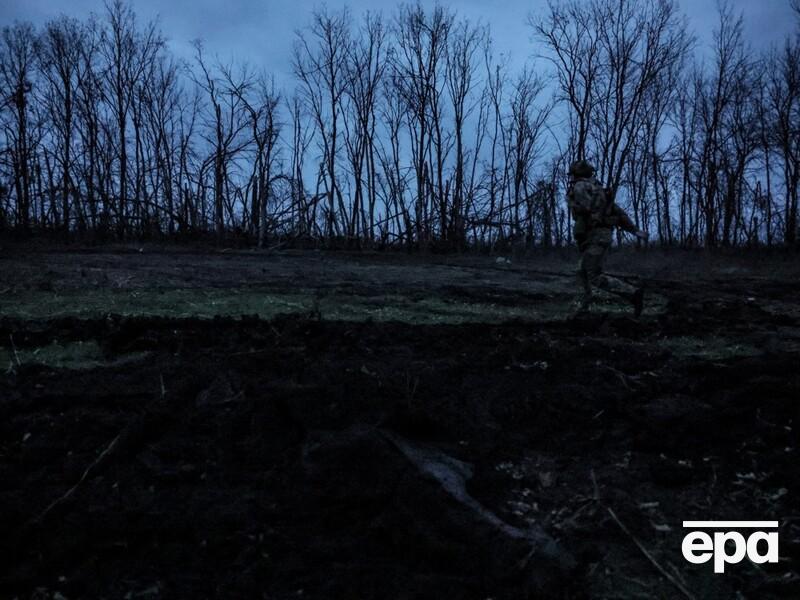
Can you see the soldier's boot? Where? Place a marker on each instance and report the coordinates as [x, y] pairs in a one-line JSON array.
[[636, 297]]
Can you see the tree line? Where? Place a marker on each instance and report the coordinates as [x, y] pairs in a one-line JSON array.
[[404, 129]]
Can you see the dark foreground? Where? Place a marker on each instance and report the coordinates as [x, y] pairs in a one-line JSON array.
[[310, 454]]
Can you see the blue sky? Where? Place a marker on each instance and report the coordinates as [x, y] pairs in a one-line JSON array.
[[261, 31]]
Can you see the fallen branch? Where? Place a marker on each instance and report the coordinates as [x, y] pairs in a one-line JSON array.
[[126, 440], [649, 556], [83, 478], [14, 348], [595, 488], [639, 545]]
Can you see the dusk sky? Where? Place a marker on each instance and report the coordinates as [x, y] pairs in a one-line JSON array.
[[262, 31]]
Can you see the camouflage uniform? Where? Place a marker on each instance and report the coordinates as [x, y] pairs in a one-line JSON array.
[[595, 217]]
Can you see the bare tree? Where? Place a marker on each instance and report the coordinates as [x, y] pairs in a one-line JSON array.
[[524, 130], [59, 50], [89, 129], [464, 44], [784, 95], [17, 62], [497, 168], [229, 117], [320, 63], [301, 139], [394, 180], [570, 30], [715, 97], [128, 53], [265, 126], [366, 65], [162, 101], [417, 75]]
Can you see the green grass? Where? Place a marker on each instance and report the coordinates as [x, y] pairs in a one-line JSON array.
[[144, 302], [207, 303], [708, 347], [72, 355]]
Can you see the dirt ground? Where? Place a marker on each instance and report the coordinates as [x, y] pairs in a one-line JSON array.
[[178, 423]]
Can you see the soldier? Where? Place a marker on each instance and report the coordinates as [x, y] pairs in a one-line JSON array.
[[595, 215]]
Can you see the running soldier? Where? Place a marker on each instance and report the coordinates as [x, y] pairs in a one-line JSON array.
[[595, 215]]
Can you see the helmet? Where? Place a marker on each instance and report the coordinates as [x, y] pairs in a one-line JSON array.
[[581, 168]]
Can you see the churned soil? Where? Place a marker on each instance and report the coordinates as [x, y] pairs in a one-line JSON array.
[[305, 454]]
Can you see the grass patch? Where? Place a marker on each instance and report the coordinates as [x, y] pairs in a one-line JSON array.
[[708, 348], [176, 303], [72, 355], [208, 303]]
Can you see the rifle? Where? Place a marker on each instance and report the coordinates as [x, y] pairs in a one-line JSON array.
[[621, 218]]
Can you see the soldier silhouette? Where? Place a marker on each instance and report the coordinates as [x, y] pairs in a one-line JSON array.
[[596, 215]]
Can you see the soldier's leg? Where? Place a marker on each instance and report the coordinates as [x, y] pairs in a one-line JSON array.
[[615, 286], [598, 243], [585, 294], [623, 289], [612, 284], [592, 263]]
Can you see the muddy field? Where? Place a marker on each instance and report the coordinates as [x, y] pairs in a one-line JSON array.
[[187, 424]]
